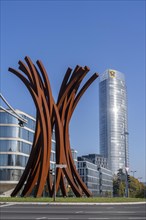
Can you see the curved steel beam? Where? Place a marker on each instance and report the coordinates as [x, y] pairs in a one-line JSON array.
[[49, 115]]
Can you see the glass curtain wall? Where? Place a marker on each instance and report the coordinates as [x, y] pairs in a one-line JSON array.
[[15, 145], [113, 119]]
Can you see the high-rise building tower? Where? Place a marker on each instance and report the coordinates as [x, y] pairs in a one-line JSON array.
[[113, 119]]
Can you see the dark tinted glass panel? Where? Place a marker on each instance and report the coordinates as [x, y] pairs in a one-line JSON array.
[[26, 135], [14, 146], [10, 174], [6, 131], [30, 123], [6, 118], [13, 160]]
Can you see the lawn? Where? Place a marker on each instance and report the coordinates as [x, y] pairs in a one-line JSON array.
[[70, 199]]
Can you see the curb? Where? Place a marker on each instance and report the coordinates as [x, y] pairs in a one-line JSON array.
[[71, 203]]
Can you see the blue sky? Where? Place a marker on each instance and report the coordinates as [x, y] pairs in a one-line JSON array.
[[62, 34]]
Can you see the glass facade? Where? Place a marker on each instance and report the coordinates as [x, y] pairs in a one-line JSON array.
[[10, 175], [99, 180], [15, 146], [89, 174], [113, 120], [16, 143], [74, 156], [105, 182], [97, 159]]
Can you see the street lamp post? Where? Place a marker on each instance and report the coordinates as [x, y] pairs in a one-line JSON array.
[[126, 182], [126, 166], [61, 166], [54, 198]]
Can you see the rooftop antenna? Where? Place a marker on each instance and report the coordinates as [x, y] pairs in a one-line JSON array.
[[12, 111]]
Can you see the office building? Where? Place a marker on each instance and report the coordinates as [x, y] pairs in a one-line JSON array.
[[105, 182], [113, 125], [15, 146], [97, 159], [99, 180], [89, 174]]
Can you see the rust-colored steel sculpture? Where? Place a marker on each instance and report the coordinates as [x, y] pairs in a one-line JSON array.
[[49, 116]]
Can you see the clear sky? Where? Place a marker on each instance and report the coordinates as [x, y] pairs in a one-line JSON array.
[[62, 34]]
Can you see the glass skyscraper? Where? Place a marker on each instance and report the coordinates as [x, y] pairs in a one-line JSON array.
[[113, 125]]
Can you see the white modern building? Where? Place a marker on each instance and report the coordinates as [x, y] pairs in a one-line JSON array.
[[113, 124], [15, 146], [16, 140]]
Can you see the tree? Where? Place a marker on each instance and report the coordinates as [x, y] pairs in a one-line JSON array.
[[136, 188], [119, 184]]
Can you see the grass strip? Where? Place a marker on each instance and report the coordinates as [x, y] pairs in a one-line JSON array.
[[73, 200]]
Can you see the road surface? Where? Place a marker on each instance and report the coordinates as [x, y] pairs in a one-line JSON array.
[[70, 212]]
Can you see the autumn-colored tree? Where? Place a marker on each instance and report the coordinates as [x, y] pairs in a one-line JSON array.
[[136, 188]]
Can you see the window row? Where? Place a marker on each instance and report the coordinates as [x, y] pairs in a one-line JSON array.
[[106, 182], [53, 156], [30, 123], [16, 132], [13, 160], [92, 179], [15, 146], [89, 172], [91, 186], [6, 118], [107, 188], [10, 174]]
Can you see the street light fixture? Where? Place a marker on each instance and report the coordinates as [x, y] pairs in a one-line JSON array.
[[12, 112], [133, 172], [61, 166]]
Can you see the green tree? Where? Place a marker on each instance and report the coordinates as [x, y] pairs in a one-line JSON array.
[[119, 184], [136, 188]]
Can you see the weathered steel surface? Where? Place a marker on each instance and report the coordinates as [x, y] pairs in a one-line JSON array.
[[51, 115]]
